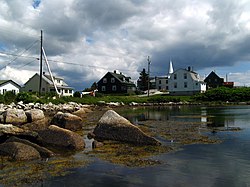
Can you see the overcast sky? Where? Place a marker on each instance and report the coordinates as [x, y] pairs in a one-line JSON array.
[[84, 39]]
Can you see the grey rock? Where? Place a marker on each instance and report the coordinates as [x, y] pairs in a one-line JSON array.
[[18, 151], [62, 138], [34, 115], [112, 126], [8, 130], [67, 121], [14, 116], [44, 152]]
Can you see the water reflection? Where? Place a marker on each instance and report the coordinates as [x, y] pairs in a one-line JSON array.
[[210, 165], [234, 116]]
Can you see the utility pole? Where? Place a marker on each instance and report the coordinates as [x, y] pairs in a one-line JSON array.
[[41, 63], [148, 74]]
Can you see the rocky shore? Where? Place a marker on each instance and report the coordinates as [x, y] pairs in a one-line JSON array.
[[47, 132], [29, 131]]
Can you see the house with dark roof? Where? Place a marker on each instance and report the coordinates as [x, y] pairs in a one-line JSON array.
[[213, 80], [32, 85], [9, 85], [115, 82]]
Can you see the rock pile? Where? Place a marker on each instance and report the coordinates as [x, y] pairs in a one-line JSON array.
[[18, 141]]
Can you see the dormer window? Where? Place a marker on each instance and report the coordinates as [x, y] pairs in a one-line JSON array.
[[185, 75], [104, 80]]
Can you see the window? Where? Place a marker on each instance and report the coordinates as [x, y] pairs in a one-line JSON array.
[[175, 76], [175, 85], [70, 91], [159, 81], [14, 91], [185, 76], [104, 80], [58, 81], [159, 87], [30, 90], [103, 88], [123, 88], [166, 81], [185, 84], [215, 80], [166, 87], [112, 80], [4, 90], [66, 91], [114, 88], [43, 89]]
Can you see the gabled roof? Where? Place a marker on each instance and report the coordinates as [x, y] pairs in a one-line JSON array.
[[43, 77], [213, 74], [48, 80], [190, 71], [3, 82], [193, 74], [120, 77]]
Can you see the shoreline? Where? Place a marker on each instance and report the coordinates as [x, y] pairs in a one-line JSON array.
[[114, 152]]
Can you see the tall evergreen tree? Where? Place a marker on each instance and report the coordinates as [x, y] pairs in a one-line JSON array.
[[142, 82]]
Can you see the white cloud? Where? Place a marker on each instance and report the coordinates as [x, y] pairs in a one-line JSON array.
[[18, 76], [103, 36]]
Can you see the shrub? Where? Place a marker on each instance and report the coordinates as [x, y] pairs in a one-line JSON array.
[[9, 97], [1, 98], [77, 94], [26, 97]]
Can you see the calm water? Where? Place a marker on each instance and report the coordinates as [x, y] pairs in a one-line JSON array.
[[226, 164]]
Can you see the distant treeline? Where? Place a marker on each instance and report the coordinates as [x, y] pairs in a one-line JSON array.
[[224, 94]]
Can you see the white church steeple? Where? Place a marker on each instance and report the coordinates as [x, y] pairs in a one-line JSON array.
[[171, 69]]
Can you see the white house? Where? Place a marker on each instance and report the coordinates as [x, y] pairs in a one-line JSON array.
[[186, 82], [162, 82], [32, 85], [9, 85]]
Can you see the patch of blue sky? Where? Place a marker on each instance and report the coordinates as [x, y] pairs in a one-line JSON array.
[[2, 46], [89, 40], [36, 3]]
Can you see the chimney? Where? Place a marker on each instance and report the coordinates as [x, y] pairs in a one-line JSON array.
[[115, 71], [189, 68]]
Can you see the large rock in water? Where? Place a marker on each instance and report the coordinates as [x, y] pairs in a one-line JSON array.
[[14, 116], [67, 121], [62, 138], [18, 151], [112, 126]]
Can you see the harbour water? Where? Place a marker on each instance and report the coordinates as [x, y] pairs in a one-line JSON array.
[[208, 165]]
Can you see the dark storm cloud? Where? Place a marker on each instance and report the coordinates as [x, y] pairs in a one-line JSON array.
[[103, 35], [105, 15]]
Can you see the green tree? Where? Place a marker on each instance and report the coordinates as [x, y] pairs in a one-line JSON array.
[[142, 82]]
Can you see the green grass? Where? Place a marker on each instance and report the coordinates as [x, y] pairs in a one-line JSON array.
[[126, 99]]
